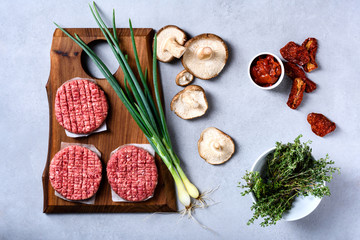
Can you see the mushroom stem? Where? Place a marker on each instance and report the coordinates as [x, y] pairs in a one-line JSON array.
[[204, 53], [183, 78], [173, 47], [190, 100], [195, 104], [217, 146]]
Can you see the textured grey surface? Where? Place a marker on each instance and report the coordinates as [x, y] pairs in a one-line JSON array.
[[254, 118]]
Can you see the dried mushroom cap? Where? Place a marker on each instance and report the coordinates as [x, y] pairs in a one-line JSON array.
[[205, 56], [190, 102], [184, 78], [215, 147], [170, 41]]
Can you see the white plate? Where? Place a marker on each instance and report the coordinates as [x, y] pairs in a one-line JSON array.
[[302, 206]]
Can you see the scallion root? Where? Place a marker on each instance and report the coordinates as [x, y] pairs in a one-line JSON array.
[[189, 213], [204, 198]]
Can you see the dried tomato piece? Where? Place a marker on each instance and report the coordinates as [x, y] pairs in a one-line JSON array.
[[310, 85], [320, 124], [311, 46], [297, 93], [293, 71], [295, 53]]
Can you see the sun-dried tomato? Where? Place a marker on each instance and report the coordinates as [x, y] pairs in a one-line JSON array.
[[293, 71], [320, 124], [297, 93], [311, 46], [310, 85], [295, 53]]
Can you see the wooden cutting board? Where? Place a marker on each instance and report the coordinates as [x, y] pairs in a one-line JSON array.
[[122, 129]]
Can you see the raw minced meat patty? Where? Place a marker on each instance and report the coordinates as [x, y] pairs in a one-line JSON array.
[[132, 173], [80, 106], [75, 172]]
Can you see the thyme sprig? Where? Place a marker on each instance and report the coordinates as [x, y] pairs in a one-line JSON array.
[[291, 171]]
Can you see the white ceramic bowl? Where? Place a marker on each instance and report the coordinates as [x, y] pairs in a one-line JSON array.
[[302, 206], [281, 75]]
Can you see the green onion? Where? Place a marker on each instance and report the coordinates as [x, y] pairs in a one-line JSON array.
[[137, 98]]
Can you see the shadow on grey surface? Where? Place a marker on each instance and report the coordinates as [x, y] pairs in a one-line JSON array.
[[326, 214], [284, 87]]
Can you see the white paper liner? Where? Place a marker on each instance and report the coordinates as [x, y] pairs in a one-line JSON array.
[[103, 126], [87, 201], [147, 147], [95, 150]]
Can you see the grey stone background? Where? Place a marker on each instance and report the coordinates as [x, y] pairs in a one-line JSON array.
[[255, 119]]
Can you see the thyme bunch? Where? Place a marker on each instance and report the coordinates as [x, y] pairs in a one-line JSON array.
[[291, 171]]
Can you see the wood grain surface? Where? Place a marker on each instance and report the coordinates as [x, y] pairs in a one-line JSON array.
[[122, 129]]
